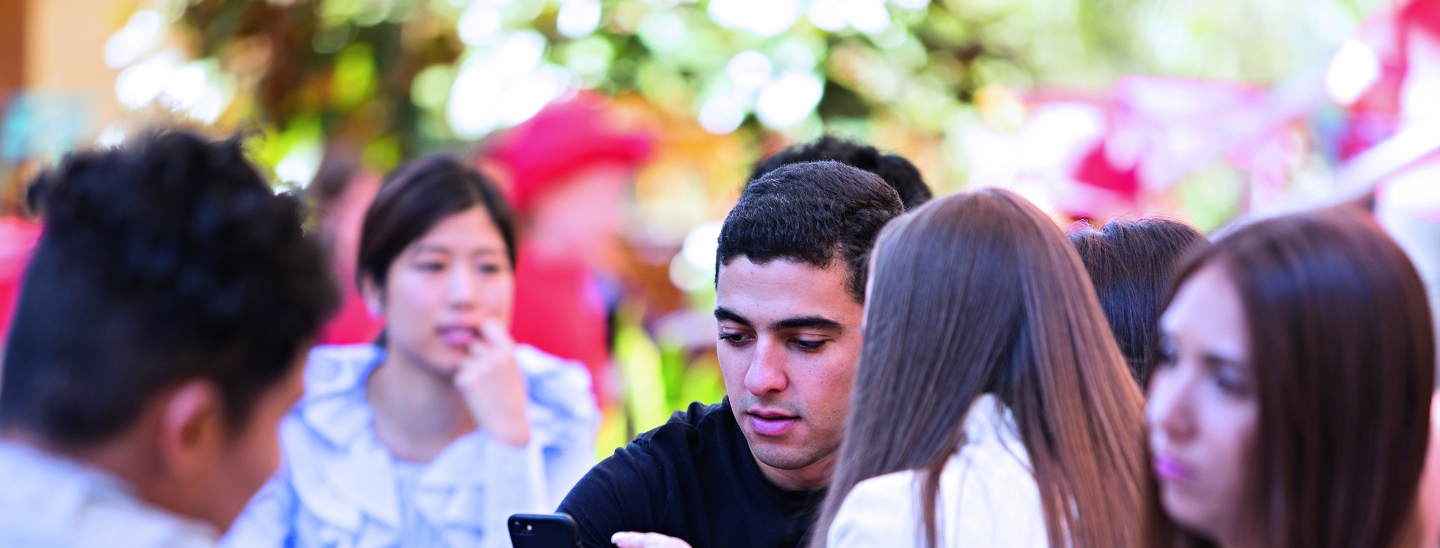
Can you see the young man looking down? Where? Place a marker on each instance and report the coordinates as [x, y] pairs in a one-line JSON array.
[[751, 470]]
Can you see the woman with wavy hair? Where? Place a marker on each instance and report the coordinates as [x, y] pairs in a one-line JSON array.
[[991, 405], [1291, 404]]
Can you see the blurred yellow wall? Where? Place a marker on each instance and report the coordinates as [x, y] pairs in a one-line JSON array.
[[64, 51]]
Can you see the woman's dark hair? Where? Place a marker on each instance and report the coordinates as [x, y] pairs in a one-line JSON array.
[[814, 213], [164, 260], [894, 169], [1343, 354], [1131, 264], [416, 197], [980, 293]]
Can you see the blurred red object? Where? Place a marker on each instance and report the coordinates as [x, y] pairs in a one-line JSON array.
[[1097, 171], [353, 324], [1401, 42], [1150, 132], [567, 168], [340, 220], [564, 138], [559, 309], [17, 241]]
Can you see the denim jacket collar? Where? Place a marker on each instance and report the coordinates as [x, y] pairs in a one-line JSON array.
[[351, 475]]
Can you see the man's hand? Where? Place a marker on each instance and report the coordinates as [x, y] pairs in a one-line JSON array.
[[646, 540], [493, 387]]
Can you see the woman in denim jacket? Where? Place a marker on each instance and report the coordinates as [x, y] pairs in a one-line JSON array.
[[445, 427]]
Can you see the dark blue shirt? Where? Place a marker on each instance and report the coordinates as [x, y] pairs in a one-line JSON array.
[[692, 478]]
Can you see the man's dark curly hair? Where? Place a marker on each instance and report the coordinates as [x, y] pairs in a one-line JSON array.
[[897, 172], [814, 213], [162, 261]]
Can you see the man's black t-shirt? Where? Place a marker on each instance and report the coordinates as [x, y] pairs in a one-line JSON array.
[[693, 478]]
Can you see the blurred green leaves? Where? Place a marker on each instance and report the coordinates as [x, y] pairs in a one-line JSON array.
[[372, 70]]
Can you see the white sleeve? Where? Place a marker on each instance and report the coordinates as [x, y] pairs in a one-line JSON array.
[[880, 511], [269, 518]]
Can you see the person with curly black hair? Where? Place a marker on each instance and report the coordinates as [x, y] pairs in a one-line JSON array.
[[894, 169], [158, 340]]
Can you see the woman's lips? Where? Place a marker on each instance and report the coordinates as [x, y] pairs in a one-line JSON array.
[[771, 424], [459, 337], [1172, 470]]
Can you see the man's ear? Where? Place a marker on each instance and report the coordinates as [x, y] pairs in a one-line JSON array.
[[373, 296], [192, 427]]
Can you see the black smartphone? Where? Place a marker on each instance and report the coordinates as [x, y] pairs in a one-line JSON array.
[[543, 531]]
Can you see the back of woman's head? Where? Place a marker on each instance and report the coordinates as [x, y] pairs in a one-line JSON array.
[[1342, 348], [162, 261], [1131, 264], [416, 197], [980, 293]]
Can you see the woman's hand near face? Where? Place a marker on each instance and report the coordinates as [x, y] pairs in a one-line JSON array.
[[493, 387]]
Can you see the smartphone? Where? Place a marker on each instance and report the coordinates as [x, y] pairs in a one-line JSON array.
[[543, 531]]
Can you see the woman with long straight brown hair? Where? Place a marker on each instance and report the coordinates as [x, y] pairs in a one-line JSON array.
[[991, 405], [1291, 404]]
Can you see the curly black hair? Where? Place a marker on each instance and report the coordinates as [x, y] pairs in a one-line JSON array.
[[897, 172], [164, 260], [813, 213]]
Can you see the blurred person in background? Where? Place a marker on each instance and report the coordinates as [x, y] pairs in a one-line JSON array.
[[1290, 406], [158, 341], [1131, 264], [568, 170], [898, 172], [751, 470], [439, 432], [341, 193], [991, 406]]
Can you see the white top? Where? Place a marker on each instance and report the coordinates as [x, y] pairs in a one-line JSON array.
[[987, 497], [339, 486], [48, 501]]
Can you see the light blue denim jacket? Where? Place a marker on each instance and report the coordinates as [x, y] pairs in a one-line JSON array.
[[338, 485]]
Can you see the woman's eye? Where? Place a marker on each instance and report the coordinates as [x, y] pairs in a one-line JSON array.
[[430, 266], [1229, 381], [489, 268]]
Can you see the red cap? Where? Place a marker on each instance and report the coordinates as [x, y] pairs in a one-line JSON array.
[[561, 140]]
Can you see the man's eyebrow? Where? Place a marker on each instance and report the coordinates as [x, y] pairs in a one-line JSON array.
[[813, 322], [726, 315]]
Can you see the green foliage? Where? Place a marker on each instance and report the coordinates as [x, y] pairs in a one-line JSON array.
[[388, 69]]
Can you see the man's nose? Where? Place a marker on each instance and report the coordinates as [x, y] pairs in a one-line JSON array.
[[767, 369]]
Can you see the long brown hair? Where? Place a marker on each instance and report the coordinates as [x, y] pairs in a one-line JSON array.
[[1344, 355], [981, 293]]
